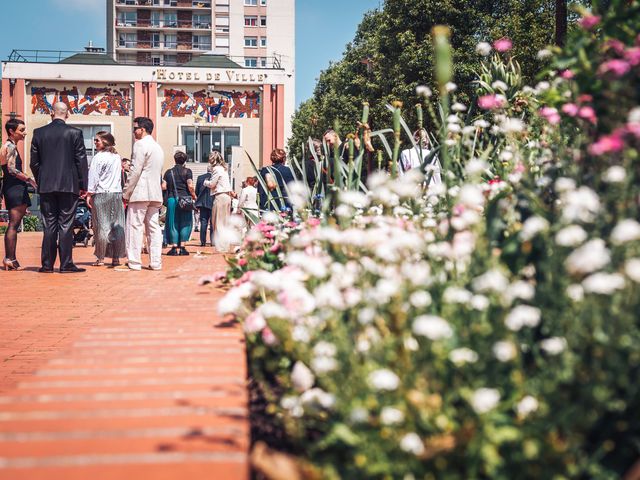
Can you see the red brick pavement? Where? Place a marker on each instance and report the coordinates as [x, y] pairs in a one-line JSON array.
[[119, 375]]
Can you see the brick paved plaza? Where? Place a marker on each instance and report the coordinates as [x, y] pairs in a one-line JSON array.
[[119, 375]]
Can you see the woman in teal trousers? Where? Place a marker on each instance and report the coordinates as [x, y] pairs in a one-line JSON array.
[[178, 182]]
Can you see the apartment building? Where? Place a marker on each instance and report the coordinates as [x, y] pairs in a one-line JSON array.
[[251, 33]]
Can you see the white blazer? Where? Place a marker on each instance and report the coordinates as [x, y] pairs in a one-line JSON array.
[[145, 179]]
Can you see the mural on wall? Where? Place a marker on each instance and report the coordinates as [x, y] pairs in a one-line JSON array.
[[92, 101], [209, 105]]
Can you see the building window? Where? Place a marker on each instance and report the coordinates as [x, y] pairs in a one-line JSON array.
[[251, 42], [263, 21], [201, 21], [250, 62], [155, 40], [263, 42], [89, 132], [127, 19], [170, 60], [127, 40], [155, 19], [201, 42], [251, 3], [250, 21], [263, 2], [156, 61], [263, 62], [171, 41], [171, 19]]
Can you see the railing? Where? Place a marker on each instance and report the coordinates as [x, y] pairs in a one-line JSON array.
[[160, 4], [178, 24], [55, 56]]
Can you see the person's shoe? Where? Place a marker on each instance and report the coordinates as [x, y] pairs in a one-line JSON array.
[[151, 267], [183, 251], [73, 269], [45, 270], [203, 244], [173, 252]]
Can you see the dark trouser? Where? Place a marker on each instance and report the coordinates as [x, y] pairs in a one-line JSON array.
[[205, 224], [58, 211]]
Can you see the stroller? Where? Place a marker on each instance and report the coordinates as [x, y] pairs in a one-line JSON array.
[[82, 224]]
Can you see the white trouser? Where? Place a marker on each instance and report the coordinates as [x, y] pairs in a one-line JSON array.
[[141, 216]]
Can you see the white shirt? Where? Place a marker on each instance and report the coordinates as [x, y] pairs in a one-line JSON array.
[[219, 181], [145, 178], [248, 199], [409, 160], [105, 173]]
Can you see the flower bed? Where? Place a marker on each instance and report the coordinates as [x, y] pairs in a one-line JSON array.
[[486, 327]]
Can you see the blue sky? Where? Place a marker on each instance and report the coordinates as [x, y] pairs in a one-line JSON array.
[[323, 28]]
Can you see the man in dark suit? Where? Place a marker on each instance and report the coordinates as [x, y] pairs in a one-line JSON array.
[[59, 163], [204, 203]]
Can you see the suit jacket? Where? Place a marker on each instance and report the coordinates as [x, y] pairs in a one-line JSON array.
[[59, 158], [205, 199], [145, 178]]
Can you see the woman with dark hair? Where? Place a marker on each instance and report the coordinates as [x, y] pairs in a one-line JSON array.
[[275, 177], [14, 189], [104, 197], [178, 182]]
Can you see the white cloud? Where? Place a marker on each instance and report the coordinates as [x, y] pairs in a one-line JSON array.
[[84, 5]]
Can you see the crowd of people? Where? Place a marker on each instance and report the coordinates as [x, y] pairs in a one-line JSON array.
[[127, 198]]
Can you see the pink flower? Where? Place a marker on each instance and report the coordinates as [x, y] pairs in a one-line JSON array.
[[491, 102], [258, 253], [607, 144], [503, 45], [634, 129], [275, 248], [242, 262], [519, 168], [615, 66], [550, 114], [244, 278], [570, 109], [588, 113], [585, 98], [268, 337], [567, 74], [313, 222], [633, 56], [589, 21], [254, 322], [615, 45], [206, 279]]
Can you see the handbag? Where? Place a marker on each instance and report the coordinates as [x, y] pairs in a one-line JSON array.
[[184, 202]]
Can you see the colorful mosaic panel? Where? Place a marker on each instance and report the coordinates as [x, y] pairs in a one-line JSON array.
[[91, 101], [209, 105]]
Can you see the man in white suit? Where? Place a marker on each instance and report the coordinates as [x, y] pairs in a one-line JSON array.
[[143, 192]]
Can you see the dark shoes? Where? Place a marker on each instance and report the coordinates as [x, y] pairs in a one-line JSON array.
[[173, 252], [183, 251], [73, 269], [45, 270]]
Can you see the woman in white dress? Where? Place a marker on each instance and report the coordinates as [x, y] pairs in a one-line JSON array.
[[104, 197], [248, 203], [220, 186]]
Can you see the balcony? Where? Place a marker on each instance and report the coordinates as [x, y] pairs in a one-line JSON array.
[[163, 24], [172, 5], [151, 45]]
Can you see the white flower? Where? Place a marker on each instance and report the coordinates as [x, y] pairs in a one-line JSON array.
[[554, 345], [423, 91], [512, 125], [317, 397], [504, 350], [432, 327], [527, 406], [575, 292], [463, 355], [359, 415], [590, 257], [532, 226], [384, 379], [483, 48], [564, 184], [543, 54], [542, 86], [615, 174], [420, 299], [471, 196], [522, 316], [580, 205], [411, 443], [366, 315], [325, 349], [450, 87], [482, 123], [323, 365], [634, 115], [458, 107], [519, 289], [230, 303], [411, 344], [603, 283], [456, 295], [273, 310], [301, 334], [391, 416], [571, 236], [632, 269], [301, 377], [354, 198], [493, 280], [499, 85], [476, 167], [479, 302], [485, 399], [626, 230]]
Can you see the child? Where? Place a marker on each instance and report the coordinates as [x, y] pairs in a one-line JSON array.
[[248, 202]]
